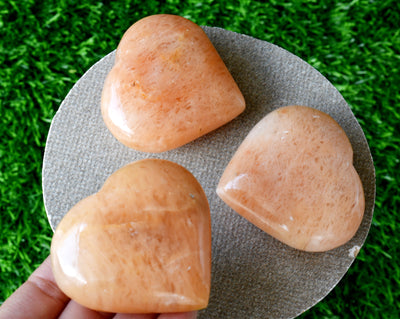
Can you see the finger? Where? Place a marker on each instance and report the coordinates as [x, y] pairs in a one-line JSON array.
[[181, 315], [38, 297], [76, 311], [135, 316]]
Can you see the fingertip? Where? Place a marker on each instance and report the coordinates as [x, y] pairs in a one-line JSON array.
[[43, 279], [38, 297]]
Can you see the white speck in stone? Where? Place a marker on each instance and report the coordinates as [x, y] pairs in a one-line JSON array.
[[284, 227]]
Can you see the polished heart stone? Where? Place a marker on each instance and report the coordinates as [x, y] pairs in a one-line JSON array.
[[293, 177], [168, 86], [142, 244]]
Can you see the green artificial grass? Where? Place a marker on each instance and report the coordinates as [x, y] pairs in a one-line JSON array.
[[46, 46]]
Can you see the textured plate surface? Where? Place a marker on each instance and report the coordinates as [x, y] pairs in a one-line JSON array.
[[253, 275]]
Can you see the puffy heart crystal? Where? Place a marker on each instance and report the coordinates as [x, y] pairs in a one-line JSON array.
[[293, 177], [142, 244], [168, 86]]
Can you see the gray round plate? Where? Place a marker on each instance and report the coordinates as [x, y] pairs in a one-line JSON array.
[[253, 275]]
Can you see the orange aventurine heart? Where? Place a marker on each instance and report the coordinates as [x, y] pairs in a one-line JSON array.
[[168, 86], [293, 177], [142, 244]]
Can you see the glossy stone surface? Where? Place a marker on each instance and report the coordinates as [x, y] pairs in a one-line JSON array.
[[142, 244], [168, 86], [293, 177]]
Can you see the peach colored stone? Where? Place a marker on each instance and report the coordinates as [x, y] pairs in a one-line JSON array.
[[142, 244], [293, 177], [168, 86]]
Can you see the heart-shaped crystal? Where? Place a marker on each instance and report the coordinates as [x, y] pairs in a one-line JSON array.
[[168, 86], [142, 244], [293, 177]]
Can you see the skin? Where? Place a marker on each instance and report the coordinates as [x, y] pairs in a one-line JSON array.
[[40, 297]]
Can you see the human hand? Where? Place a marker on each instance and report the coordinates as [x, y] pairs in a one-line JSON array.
[[39, 297]]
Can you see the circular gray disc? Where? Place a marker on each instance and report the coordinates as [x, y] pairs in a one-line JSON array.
[[253, 275]]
